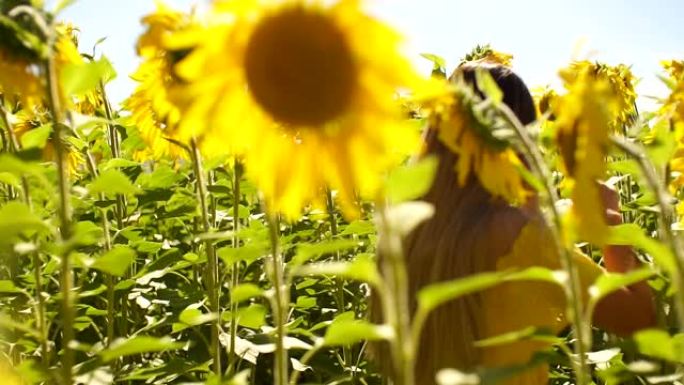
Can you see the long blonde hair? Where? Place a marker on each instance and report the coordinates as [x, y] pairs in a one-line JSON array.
[[469, 231]]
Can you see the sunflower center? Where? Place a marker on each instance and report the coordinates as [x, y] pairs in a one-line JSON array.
[[299, 67]]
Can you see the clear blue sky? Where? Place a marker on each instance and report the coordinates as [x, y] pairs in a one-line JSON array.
[[542, 34]]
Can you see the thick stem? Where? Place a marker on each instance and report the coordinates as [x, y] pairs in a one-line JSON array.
[[572, 290], [339, 283], [664, 223], [280, 304], [396, 304], [234, 270], [212, 262], [66, 276], [115, 146]]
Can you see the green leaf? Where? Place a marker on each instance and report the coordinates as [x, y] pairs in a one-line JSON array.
[[359, 227], [20, 168], [112, 181], [348, 332], [7, 287], [119, 163], [15, 218], [37, 137], [438, 64], [116, 261], [308, 251], [244, 292], [247, 253], [611, 282], [659, 344], [411, 181], [630, 234], [253, 316], [62, 5], [432, 296], [662, 145], [363, 268], [436, 60], [138, 345], [80, 78], [193, 316], [86, 233], [162, 177], [526, 334], [10, 179]]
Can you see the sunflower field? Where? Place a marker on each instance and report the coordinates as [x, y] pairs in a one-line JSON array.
[[241, 217]]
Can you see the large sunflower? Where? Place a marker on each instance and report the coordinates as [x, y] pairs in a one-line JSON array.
[[585, 117], [154, 115], [304, 90]]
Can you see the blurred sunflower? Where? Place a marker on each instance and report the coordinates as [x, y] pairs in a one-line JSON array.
[[9, 375], [544, 100], [486, 53], [304, 90], [621, 81], [28, 119], [19, 60], [672, 110], [467, 129], [584, 116], [152, 112]]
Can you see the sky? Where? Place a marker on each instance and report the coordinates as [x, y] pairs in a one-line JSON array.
[[543, 35]]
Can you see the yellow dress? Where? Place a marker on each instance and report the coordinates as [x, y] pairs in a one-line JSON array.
[[513, 306]]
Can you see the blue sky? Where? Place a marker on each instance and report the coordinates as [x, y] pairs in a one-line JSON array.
[[543, 35]]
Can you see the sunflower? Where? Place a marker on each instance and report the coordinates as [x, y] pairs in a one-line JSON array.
[[18, 61], [152, 112], [621, 82], [8, 374], [672, 110], [486, 53], [584, 121], [304, 90], [467, 129], [28, 119]]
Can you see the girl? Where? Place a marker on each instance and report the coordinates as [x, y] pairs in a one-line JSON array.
[[472, 232]]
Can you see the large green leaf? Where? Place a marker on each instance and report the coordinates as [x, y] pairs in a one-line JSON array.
[[412, 181], [16, 218], [659, 344], [80, 78], [111, 182], [116, 261], [347, 332], [138, 345], [432, 296]]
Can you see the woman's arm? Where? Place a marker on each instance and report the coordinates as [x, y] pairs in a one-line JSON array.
[[631, 308]]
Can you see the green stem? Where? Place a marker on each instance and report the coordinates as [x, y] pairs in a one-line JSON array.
[[396, 304], [115, 146], [572, 290], [66, 283], [280, 304], [339, 283], [212, 262], [234, 270]]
